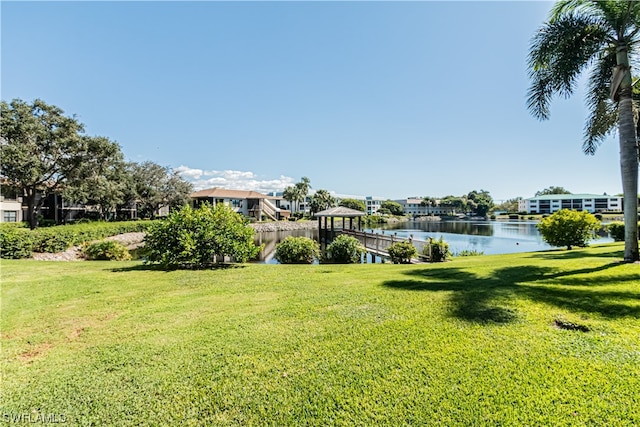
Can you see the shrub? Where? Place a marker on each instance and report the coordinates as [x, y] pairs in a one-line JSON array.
[[437, 250], [616, 231], [191, 238], [53, 239], [61, 237], [344, 250], [402, 252], [569, 228], [297, 250], [15, 242], [107, 250], [470, 252]]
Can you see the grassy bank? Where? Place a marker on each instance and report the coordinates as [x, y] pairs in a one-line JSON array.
[[486, 340]]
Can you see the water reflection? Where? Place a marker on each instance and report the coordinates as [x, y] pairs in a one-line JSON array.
[[489, 237], [271, 238]]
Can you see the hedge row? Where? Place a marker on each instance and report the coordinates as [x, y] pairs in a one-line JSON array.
[[19, 242]]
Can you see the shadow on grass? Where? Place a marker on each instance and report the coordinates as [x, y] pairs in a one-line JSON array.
[[157, 267], [485, 300], [576, 253]]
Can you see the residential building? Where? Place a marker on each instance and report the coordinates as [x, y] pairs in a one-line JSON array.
[[373, 204], [413, 206], [550, 203], [248, 203], [10, 205]]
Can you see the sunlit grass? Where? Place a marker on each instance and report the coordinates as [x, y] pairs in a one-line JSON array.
[[470, 342]]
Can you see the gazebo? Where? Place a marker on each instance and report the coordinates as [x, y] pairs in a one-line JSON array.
[[338, 212]]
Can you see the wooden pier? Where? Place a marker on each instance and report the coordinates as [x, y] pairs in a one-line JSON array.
[[377, 244]]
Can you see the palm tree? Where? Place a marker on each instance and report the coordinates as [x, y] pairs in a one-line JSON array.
[[321, 200], [601, 37], [290, 194], [303, 189]]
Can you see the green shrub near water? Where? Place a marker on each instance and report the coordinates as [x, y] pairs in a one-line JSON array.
[[107, 250], [191, 238], [402, 252], [438, 250], [297, 250], [469, 252], [569, 228], [344, 250], [616, 230]]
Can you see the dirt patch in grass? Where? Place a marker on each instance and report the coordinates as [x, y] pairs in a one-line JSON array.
[[34, 352], [570, 326]]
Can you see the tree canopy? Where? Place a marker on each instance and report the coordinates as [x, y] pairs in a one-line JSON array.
[[552, 190], [321, 200], [394, 208], [353, 204], [44, 151], [153, 187]]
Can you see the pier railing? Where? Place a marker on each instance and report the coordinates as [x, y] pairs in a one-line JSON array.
[[378, 243]]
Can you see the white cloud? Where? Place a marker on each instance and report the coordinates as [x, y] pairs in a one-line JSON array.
[[233, 180]]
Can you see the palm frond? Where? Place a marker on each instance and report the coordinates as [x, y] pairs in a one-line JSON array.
[[603, 114], [564, 8], [559, 52]]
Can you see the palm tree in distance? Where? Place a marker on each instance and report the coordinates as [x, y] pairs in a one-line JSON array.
[[601, 37], [290, 194], [302, 188], [321, 200]]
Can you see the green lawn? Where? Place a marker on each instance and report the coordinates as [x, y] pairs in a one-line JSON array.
[[469, 342]]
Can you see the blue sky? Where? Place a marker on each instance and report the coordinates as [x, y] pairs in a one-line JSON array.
[[364, 98]]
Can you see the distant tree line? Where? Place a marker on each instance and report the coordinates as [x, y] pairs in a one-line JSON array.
[[45, 152], [475, 202]]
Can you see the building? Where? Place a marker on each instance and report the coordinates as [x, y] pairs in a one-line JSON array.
[[550, 203], [248, 203], [414, 206], [10, 205]]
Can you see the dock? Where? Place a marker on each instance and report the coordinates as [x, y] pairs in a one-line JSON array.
[[377, 244]]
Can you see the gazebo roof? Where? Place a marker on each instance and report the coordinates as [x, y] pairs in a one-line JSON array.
[[340, 211]]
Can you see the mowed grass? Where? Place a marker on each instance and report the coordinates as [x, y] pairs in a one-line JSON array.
[[470, 342]]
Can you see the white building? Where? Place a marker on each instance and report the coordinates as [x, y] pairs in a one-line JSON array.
[[413, 206], [550, 203], [248, 203]]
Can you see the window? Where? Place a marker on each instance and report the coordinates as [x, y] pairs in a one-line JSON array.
[[10, 216]]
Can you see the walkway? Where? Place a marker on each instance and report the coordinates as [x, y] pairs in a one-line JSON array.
[[378, 244]]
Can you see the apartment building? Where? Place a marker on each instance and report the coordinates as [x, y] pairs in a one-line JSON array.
[[594, 203]]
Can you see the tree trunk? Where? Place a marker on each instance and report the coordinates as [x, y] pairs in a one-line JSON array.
[[32, 210], [628, 162]]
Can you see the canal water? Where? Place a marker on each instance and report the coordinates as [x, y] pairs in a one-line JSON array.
[[488, 237]]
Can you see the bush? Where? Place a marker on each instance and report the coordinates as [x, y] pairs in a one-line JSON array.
[[616, 231], [61, 237], [297, 250], [107, 250], [402, 252], [15, 242], [192, 238], [344, 250], [569, 228], [470, 252], [437, 250]]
